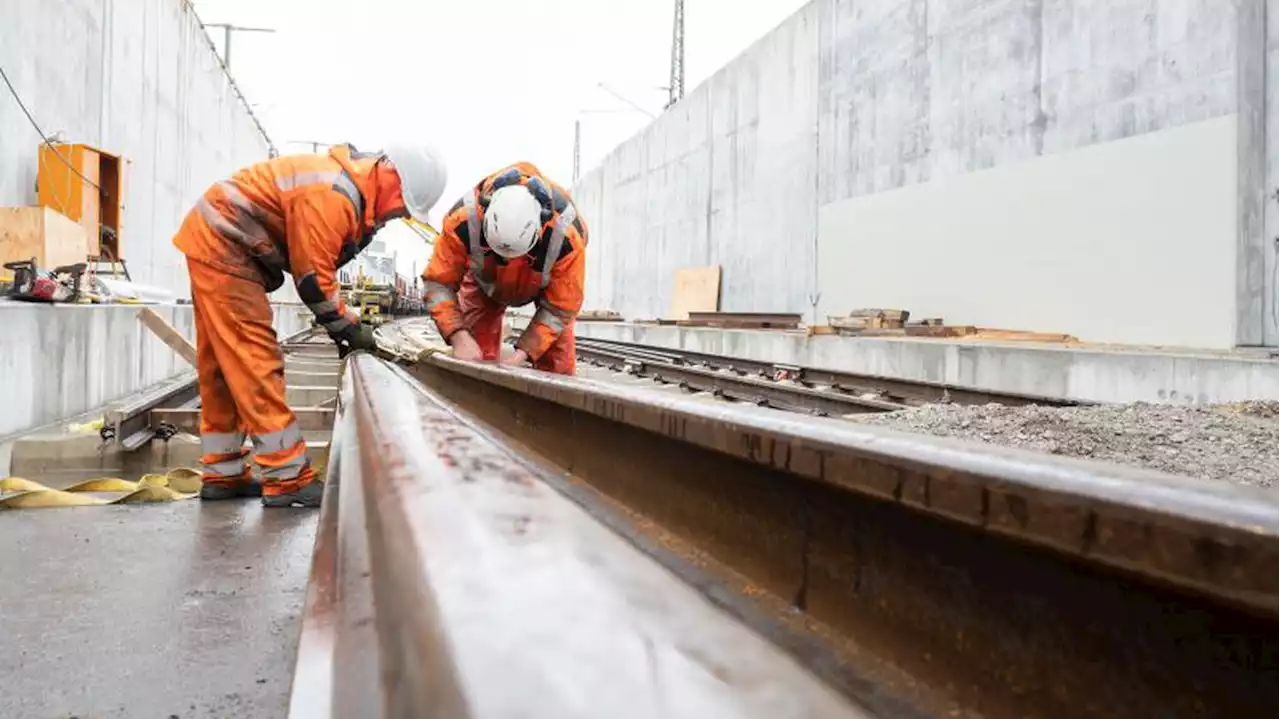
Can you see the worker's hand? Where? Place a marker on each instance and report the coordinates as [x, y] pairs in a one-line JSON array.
[[362, 338], [465, 346], [356, 337], [518, 357]]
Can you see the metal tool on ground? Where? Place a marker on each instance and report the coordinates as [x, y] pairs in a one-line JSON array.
[[31, 284]]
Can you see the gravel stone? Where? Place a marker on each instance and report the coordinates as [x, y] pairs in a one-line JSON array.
[[1237, 442]]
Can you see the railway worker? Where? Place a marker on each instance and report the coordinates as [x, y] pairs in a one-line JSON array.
[[515, 238], [306, 215]]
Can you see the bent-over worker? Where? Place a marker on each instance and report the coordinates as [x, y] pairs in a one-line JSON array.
[[306, 215], [515, 238]]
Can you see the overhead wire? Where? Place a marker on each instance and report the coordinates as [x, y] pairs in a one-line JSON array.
[[13, 91]]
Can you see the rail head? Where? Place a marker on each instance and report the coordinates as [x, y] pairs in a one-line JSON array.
[[1214, 539], [493, 594]]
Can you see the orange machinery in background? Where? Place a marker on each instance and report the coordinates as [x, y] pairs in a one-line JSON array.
[[99, 211]]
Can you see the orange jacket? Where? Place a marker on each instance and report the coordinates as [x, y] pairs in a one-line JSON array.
[[552, 274], [302, 214]]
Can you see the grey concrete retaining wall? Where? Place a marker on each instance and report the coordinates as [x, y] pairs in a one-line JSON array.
[[58, 362], [851, 99]]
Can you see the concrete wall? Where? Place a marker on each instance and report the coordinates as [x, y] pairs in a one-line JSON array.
[[849, 99], [134, 77], [725, 177], [60, 361]]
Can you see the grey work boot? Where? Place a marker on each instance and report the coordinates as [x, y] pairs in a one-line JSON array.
[[237, 489], [308, 496]]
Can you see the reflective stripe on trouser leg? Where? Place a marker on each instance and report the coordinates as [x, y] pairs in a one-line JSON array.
[[282, 457], [223, 456]]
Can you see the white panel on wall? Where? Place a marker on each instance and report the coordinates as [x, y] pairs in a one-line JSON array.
[[1126, 241]]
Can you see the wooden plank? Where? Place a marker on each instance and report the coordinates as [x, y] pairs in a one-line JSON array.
[[870, 319], [882, 313], [695, 289], [988, 333], [168, 334], [940, 331]]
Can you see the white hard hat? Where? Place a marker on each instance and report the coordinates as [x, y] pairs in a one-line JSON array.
[[512, 220], [422, 176]]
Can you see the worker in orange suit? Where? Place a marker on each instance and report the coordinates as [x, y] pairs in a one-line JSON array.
[[306, 215], [515, 238]]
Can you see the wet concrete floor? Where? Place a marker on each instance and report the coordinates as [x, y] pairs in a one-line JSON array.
[[176, 609]]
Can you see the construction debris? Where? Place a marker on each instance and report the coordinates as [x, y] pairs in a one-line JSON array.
[[1232, 442], [743, 320], [599, 316]]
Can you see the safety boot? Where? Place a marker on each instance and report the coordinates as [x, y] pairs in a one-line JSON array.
[[307, 496], [230, 489]]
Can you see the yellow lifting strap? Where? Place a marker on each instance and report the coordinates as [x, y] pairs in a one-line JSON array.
[[181, 483]]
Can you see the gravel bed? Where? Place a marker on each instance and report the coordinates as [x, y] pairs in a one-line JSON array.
[[1229, 442]]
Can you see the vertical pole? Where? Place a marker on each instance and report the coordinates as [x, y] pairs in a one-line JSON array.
[[675, 86], [577, 147], [1251, 284], [226, 45]]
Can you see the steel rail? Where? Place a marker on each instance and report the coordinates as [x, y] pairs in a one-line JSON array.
[[760, 392], [889, 389], [450, 579], [1011, 583], [165, 408], [128, 424]]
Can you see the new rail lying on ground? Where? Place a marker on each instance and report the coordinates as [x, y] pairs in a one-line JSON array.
[[173, 406], [789, 386], [915, 576]]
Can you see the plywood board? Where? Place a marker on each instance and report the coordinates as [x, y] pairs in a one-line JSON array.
[[39, 232], [696, 289]]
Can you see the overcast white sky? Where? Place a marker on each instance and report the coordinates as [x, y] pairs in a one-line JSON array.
[[489, 81]]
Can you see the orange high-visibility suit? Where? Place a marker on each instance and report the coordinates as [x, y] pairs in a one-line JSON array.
[[306, 215], [469, 287]]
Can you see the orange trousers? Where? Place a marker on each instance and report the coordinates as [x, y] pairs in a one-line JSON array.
[[483, 319], [240, 368]]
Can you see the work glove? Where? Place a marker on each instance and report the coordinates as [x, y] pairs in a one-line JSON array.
[[358, 336]]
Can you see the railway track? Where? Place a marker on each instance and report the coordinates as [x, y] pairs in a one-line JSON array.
[[553, 547], [788, 387]]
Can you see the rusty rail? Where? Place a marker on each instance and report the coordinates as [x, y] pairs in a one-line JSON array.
[[914, 571], [816, 381], [751, 390], [450, 579]]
